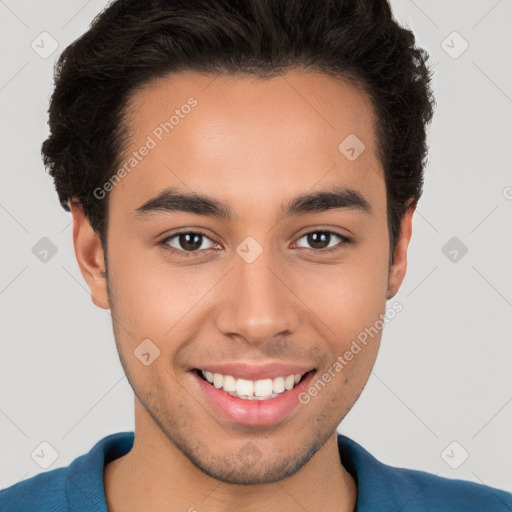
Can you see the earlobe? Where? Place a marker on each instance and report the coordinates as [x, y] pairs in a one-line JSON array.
[[90, 257], [399, 266]]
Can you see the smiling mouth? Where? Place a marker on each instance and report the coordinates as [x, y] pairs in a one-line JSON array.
[[244, 389]]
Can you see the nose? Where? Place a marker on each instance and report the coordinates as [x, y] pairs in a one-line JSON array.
[[260, 304]]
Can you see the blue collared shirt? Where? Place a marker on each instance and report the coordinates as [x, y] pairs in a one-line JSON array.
[[381, 488]]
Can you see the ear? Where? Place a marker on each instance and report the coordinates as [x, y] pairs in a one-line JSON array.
[[399, 265], [89, 255]]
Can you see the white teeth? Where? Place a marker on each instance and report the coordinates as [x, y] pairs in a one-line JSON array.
[[244, 387], [229, 383], [252, 390], [278, 385], [289, 382], [245, 397], [218, 380], [263, 387]]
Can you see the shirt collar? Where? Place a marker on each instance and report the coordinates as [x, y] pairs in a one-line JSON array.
[[376, 487], [84, 482]]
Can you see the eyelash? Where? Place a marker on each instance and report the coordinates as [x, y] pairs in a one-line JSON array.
[[188, 254]]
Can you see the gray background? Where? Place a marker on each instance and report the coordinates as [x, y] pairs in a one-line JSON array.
[[443, 371]]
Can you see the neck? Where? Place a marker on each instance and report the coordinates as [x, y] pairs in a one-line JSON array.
[[155, 475]]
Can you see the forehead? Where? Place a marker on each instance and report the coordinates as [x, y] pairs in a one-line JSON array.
[[248, 140]]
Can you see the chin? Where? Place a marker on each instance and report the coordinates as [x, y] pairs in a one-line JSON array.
[[249, 466]]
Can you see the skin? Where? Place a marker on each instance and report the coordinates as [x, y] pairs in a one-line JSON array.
[[254, 144]]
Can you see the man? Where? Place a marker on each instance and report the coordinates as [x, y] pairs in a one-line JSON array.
[[242, 178]]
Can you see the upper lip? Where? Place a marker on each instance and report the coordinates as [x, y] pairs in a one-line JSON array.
[[253, 371]]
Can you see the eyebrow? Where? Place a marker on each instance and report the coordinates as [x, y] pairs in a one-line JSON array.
[[174, 200]]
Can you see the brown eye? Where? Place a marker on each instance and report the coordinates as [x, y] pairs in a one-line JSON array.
[[187, 242], [324, 240]]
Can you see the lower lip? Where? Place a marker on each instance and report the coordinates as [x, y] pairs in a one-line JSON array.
[[253, 412]]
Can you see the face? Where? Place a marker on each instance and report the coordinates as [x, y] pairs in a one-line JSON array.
[[249, 283]]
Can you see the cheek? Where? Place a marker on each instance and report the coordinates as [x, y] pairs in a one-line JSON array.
[[349, 296], [153, 297]]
